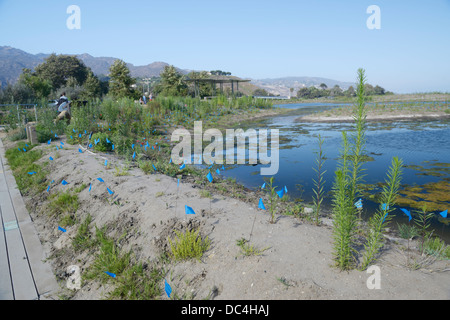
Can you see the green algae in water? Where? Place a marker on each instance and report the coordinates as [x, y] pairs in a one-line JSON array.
[[435, 195], [437, 169]]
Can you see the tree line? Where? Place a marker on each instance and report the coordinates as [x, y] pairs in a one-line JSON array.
[[66, 73], [322, 91], [336, 91]]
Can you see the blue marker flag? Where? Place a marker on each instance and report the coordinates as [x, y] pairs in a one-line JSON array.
[[100, 179], [110, 274], [106, 163], [444, 213], [31, 173], [154, 166], [261, 204], [61, 229], [51, 159], [167, 288], [263, 186], [218, 171], [64, 182], [189, 210], [113, 147], [285, 189], [110, 192], [90, 187], [383, 206], [80, 151], [358, 204], [182, 166], [407, 213], [280, 193], [209, 176], [134, 155], [178, 183], [48, 188]]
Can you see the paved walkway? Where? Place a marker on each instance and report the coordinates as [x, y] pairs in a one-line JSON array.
[[24, 274]]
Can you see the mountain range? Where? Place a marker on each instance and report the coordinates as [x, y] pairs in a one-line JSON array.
[[13, 60]]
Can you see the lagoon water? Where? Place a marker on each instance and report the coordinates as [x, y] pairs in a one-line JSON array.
[[416, 143]]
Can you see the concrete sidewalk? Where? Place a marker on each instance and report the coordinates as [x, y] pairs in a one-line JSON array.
[[24, 274]]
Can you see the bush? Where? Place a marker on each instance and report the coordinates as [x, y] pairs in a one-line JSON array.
[[103, 145], [188, 245]]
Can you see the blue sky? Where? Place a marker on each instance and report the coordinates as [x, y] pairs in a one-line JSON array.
[[251, 39]]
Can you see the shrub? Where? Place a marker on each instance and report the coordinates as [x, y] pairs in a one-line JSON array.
[[103, 145], [188, 245]]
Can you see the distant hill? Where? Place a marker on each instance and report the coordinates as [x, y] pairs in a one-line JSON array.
[[13, 60], [100, 65]]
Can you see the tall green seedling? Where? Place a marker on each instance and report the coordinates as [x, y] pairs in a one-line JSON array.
[[379, 221], [348, 177]]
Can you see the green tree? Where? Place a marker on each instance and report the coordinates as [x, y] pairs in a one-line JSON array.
[[261, 92], [57, 69], [350, 92], [172, 83], [379, 90], [303, 93], [336, 91], [120, 81], [41, 88], [92, 86]]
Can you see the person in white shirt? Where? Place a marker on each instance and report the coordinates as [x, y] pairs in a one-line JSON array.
[[63, 107]]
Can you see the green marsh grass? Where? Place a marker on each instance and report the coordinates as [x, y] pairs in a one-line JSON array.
[[138, 282], [22, 163], [273, 198], [188, 245], [249, 250], [109, 258], [83, 239]]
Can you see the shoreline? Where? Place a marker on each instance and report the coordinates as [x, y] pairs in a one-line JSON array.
[[386, 117], [412, 97]]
